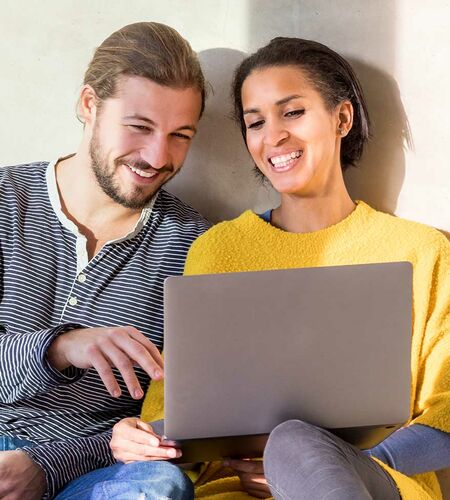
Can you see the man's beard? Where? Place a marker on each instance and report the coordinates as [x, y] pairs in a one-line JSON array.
[[136, 199]]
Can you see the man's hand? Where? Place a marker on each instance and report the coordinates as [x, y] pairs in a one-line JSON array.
[[103, 348], [134, 440], [20, 477], [251, 474]]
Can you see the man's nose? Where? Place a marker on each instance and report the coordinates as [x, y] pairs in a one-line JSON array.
[[156, 152]]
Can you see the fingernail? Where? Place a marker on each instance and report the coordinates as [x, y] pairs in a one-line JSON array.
[[157, 374], [138, 394], [116, 393], [172, 453]]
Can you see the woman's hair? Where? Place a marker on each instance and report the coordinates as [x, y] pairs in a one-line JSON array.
[[328, 72], [150, 50]]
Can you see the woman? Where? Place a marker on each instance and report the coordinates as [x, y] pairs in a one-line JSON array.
[[304, 120]]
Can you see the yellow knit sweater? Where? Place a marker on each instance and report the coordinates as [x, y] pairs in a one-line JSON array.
[[366, 236]]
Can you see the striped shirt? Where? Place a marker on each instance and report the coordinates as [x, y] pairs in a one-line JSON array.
[[48, 287]]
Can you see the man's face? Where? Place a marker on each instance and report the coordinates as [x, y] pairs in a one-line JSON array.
[[141, 137]]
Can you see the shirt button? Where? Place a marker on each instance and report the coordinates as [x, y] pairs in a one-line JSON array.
[[81, 278], [73, 301]]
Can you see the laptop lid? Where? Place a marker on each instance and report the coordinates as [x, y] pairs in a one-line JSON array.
[[247, 351]]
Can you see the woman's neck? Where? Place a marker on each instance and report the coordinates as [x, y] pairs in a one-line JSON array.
[[298, 214]]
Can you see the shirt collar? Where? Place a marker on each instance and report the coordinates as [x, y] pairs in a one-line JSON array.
[[55, 201]]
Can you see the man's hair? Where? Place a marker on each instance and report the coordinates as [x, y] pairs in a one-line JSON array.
[[150, 50], [331, 75]]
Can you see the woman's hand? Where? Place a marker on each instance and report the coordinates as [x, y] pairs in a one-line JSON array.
[[251, 474], [134, 440]]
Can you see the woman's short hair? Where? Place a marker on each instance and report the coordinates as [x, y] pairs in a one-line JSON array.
[[328, 72], [147, 49]]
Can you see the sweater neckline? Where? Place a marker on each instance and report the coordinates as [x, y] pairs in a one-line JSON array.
[[353, 222]]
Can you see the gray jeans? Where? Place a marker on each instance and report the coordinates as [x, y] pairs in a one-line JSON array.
[[302, 461]]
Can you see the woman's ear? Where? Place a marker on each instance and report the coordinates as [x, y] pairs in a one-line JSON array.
[[345, 118]]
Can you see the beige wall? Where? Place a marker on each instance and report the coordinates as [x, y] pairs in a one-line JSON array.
[[399, 48]]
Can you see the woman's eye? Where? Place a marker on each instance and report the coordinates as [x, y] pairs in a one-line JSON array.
[[256, 125], [294, 113]]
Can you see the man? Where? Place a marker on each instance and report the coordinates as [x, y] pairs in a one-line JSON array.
[[86, 243]]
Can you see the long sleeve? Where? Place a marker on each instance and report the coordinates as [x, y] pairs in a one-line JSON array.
[[414, 450], [64, 461], [24, 369]]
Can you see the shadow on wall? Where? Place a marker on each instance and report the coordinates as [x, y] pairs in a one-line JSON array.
[[379, 177], [218, 178]]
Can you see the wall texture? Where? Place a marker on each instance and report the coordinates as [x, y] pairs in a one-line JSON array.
[[400, 49]]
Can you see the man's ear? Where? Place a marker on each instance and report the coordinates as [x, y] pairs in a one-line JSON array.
[[87, 105], [345, 118]]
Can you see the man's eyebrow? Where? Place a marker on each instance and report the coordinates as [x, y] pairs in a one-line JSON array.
[[278, 103], [151, 122], [140, 118]]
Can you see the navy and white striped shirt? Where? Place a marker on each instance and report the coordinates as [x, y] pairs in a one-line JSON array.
[[48, 286]]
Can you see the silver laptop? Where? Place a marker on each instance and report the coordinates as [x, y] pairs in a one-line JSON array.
[[247, 351]]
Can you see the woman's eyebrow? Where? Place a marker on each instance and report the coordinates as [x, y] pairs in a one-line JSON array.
[[277, 103], [288, 98]]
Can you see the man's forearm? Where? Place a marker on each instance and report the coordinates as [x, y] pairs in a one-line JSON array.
[[64, 461]]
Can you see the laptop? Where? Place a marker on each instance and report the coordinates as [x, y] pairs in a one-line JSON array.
[[247, 351]]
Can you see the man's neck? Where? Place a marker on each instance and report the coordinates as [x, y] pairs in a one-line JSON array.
[[97, 216]]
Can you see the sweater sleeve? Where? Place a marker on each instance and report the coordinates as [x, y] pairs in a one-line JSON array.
[[414, 450], [64, 461], [432, 313], [24, 369]]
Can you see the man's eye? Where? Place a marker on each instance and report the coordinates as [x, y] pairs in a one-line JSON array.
[[294, 113], [255, 125], [182, 136], [141, 128]]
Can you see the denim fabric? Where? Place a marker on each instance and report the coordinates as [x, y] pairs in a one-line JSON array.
[[8, 443], [134, 481]]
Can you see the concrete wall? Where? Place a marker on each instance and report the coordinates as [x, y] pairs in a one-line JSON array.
[[400, 49]]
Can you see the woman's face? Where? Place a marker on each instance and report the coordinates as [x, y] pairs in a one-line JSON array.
[[291, 134]]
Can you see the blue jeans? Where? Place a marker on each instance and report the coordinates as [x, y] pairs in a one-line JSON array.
[[134, 481], [8, 443]]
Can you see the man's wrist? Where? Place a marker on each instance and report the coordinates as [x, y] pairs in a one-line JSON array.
[[55, 354]]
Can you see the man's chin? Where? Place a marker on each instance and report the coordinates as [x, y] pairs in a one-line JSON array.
[[135, 203]]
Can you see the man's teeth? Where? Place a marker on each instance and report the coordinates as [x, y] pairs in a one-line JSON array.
[[285, 160], [142, 173]]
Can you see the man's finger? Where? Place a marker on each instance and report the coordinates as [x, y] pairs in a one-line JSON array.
[[135, 435], [144, 426], [103, 367], [150, 346], [130, 457], [145, 450], [138, 353], [123, 363]]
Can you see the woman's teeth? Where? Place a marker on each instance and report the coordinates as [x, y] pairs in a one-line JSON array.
[[142, 173], [285, 160]]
